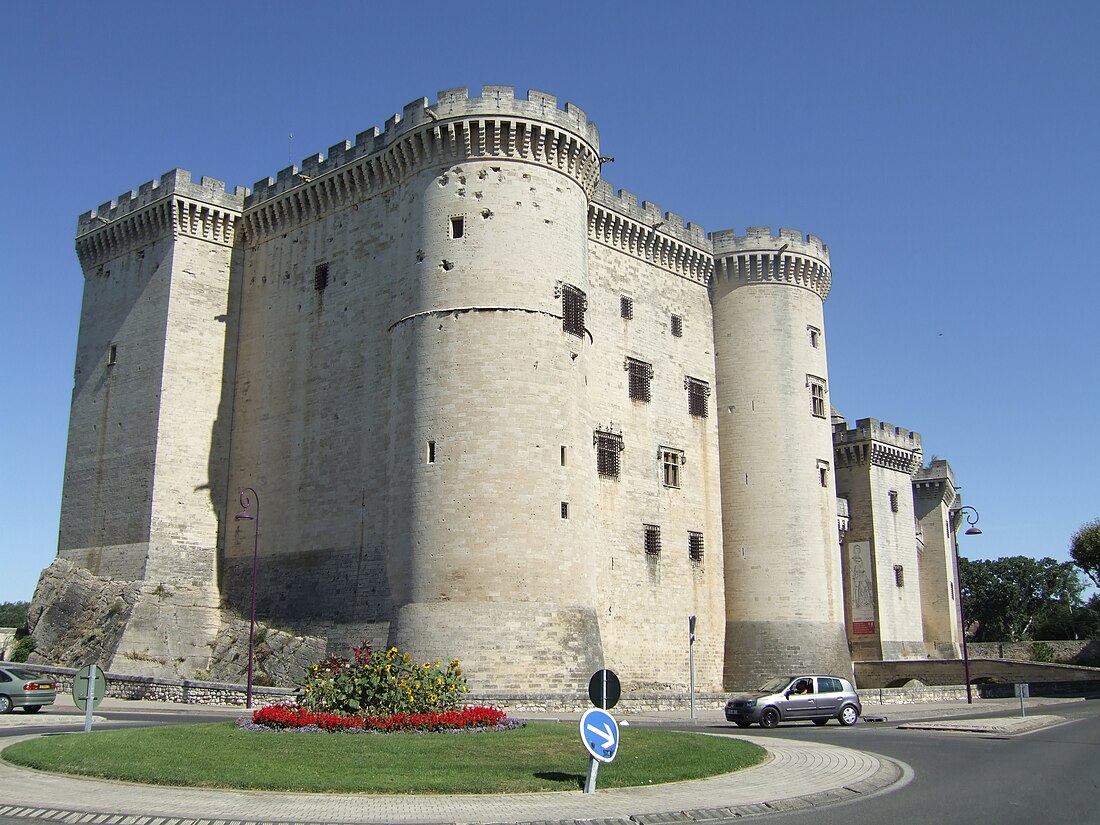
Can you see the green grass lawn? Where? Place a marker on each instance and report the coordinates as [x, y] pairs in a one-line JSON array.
[[538, 757]]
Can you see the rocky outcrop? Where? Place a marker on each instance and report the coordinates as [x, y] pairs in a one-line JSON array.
[[77, 618], [280, 659]]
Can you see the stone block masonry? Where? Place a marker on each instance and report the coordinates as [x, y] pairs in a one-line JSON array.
[[416, 349]]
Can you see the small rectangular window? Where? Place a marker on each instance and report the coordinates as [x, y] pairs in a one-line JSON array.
[[698, 392], [626, 308], [320, 277], [899, 575], [562, 455], [677, 326], [458, 227], [431, 452], [670, 466], [823, 472], [817, 395], [652, 540], [695, 547], [893, 501], [573, 305], [640, 374], [112, 355], [815, 336], [608, 446], [565, 509]]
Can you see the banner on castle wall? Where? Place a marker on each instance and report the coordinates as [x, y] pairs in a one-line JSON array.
[[861, 588]]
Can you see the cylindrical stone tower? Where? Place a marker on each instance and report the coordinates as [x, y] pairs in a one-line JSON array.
[[784, 599], [489, 395]]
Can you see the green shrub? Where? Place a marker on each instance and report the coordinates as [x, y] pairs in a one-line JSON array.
[[23, 648], [382, 682], [1041, 652]]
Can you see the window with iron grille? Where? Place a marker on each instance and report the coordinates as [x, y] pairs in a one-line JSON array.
[[698, 392], [608, 446], [573, 305], [817, 395], [652, 540], [677, 326], [640, 374], [695, 547], [899, 575], [320, 277], [893, 501], [670, 466], [626, 308]]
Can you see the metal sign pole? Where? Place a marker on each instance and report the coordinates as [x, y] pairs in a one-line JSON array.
[[590, 781], [691, 661]]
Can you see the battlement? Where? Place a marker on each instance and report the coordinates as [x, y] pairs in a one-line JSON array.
[[649, 214], [761, 239], [176, 181], [936, 481], [450, 104], [871, 429]]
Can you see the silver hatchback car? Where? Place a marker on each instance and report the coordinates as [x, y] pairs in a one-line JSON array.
[[794, 698]]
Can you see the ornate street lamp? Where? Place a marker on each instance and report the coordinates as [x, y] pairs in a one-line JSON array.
[[250, 502], [956, 519]]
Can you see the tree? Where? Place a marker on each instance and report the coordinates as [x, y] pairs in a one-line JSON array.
[[1084, 549], [13, 614], [1008, 598]]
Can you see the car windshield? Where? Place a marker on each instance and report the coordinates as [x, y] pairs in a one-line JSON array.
[[23, 674], [775, 685]]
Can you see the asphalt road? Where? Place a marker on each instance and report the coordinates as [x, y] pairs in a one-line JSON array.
[[1048, 776]]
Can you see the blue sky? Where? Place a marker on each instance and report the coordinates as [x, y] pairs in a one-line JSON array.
[[949, 154]]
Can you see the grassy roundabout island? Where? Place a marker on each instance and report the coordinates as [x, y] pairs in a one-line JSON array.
[[538, 757]]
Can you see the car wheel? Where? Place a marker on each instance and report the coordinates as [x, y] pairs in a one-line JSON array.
[[743, 724], [31, 708], [820, 722], [769, 718], [5, 704], [848, 715]]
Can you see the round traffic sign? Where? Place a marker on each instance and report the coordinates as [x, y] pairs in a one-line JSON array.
[[600, 734], [604, 689], [89, 675]]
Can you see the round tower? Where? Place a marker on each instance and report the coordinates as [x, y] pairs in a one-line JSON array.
[[784, 600], [488, 544]]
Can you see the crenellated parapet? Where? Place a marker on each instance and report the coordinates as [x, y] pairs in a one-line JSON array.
[[617, 220], [877, 443], [937, 481], [454, 129], [760, 257], [173, 205]]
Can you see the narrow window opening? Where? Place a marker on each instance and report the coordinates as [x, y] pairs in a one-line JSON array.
[[626, 308], [320, 277], [608, 447], [817, 395], [677, 326], [695, 547], [640, 375], [565, 509], [815, 336], [652, 540], [458, 227], [671, 460], [893, 501], [823, 472], [562, 455], [698, 392], [431, 452], [899, 575], [112, 355], [573, 305]]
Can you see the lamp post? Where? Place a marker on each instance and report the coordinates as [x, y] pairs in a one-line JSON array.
[[971, 519], [250, 502]]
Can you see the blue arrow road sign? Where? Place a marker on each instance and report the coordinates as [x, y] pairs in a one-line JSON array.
[[600, 734]]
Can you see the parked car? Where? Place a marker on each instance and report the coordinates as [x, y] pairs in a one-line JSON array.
[[793, 698], [21, 688]]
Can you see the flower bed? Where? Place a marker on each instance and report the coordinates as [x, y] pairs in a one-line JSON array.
[[294, 718]]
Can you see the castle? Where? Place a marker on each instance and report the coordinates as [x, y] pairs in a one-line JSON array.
[[480, 405]]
